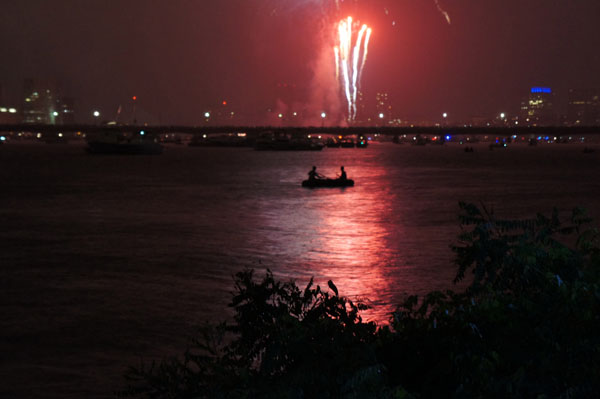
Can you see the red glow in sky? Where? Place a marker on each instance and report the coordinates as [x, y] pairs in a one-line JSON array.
[[179, 56]]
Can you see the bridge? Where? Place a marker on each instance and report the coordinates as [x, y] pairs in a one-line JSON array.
[[253, 131]]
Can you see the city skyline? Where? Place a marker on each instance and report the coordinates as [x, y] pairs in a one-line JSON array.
[[187, 58]]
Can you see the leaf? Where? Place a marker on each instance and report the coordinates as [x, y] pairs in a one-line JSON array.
[[333, 287]]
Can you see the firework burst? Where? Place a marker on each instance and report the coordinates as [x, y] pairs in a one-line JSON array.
[[350, 58]]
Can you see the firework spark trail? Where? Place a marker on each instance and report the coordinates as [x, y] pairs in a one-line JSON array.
[[350, 60], [336, 52], [345, 42], [364, 60], [356, 53], [440, 9]]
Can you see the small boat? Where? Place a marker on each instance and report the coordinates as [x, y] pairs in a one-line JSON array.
[[328, 183]]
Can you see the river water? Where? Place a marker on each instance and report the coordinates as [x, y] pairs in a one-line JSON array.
[[106, 260]]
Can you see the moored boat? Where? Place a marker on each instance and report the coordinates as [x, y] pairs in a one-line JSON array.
[[332, 143], [361, 141], [283, 142], [347, 143]]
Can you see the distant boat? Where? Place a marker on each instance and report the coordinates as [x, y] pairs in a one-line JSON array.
[[223, 140], [419, 140], [332, 143], [282, 142], [361, 141], [328, 183], [124, 143], [497, 145], [347, 143]]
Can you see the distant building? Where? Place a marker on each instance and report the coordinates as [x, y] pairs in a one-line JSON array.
[[538, 107], [584, 107], [39, 105], [66, 111], [383, 108], [44, 105]]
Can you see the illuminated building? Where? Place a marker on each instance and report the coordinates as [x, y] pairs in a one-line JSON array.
[[66, 111], [43, 105], [39, 106], [584, 107], [538, 107]]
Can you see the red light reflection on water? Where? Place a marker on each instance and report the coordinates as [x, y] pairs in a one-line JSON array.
[[352, 247]]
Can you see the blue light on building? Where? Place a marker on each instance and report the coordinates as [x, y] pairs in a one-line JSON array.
[[541, 90]]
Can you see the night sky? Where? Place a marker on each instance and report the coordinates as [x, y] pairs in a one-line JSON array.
[[183, 57]]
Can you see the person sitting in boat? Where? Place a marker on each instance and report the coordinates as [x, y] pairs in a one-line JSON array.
[[313, 174], [342, 174]]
